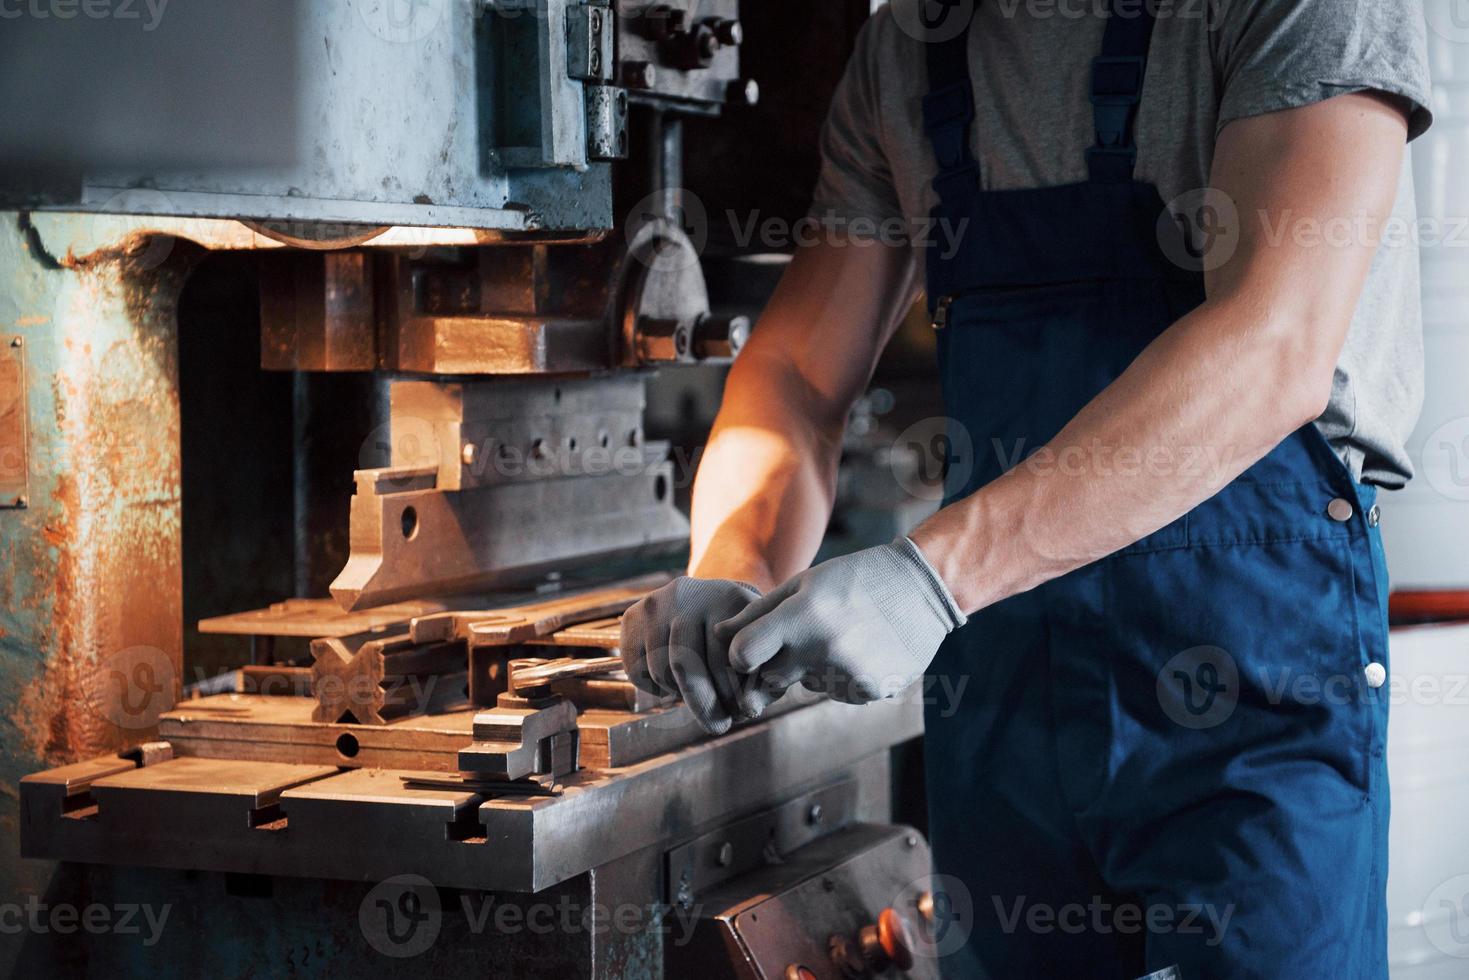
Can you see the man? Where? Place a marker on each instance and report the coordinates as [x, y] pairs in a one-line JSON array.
[[1170, 517]]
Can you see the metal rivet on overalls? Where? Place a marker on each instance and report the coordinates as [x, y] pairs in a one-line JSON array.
[[1376, 675], [1340, 510], [1374, 516]]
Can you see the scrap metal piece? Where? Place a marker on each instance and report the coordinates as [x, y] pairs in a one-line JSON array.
[[14, 442]]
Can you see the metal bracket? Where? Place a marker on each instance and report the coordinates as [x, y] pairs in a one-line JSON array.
[[591, 33], [14, 440], [606, 122], [698, 865]]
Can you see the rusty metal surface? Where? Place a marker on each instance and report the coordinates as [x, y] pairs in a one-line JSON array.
[[90, 608], [14, 443]]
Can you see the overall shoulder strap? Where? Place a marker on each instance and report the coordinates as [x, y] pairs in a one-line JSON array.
[[1117, 88], [948, 117]]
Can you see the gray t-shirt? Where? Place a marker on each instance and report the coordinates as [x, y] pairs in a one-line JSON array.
[[1212, 62]]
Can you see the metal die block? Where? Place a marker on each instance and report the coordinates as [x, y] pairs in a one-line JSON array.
[[517, 430], [418, 541], [188, 798]]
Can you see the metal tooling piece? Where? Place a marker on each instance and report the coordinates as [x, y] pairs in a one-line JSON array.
[[599, 634], [371, 679], [495, 484], [513, 743], [537, 622], [526, 845], [280, 729], [315, 618]]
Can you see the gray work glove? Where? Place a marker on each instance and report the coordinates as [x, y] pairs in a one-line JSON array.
[[859, 628], [669, 647]]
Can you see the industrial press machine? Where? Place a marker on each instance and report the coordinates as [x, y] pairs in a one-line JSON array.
[[483, 229]]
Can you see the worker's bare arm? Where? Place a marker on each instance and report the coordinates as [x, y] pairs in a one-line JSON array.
[[1232, 379], [765, 486]]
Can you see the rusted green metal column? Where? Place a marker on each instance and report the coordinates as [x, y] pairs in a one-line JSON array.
[[90, 586]]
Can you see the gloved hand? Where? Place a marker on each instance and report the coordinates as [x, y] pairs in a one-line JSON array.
[[669, 647], [859, 628]]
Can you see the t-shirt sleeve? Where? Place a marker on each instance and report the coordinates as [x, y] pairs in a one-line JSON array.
[[856, 181], [1285, 54]]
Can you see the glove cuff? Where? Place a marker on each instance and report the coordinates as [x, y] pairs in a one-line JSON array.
[[942, 599]]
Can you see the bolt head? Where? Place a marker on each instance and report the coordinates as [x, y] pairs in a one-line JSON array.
[[16, 342], [726, 854], [467, 454]]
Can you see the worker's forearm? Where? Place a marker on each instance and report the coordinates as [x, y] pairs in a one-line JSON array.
[[1208, 399], [765, 487]]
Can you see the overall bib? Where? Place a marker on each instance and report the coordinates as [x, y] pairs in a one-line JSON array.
[[1173, 757]]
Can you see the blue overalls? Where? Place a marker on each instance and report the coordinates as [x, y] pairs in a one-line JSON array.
[[1172, 757]]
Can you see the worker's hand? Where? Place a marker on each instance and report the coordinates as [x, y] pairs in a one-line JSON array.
[[858, 628], [669, 646]]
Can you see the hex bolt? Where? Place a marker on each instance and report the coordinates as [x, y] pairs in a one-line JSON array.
[[639, 74], [726, 854], [743, 92], [16, 342], [730, 32], [814, 815]]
